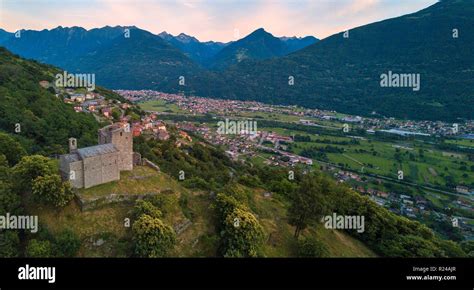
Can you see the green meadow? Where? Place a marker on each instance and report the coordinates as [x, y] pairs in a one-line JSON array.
[[160, 106]]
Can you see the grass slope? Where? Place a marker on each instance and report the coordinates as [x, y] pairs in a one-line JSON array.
[[198, 240]]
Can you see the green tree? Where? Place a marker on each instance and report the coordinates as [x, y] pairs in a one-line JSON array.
[[468, 247], [10, 202], [309, 203], [242, 235], [11, 149], [116, 113], [5, 171], [196, 182], [410, 246], [49, 189], [311, 247], [152, 237], [67, 243], [283, 186], [145, 207], [28, 169], [38, 249], [9, 243], [450, 248]]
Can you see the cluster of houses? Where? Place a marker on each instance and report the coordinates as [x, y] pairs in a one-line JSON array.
[[288, 159], [87, 101], [95, 103], [464, 190], [408, 206], [206, 105], [275, 138], [198, 105], [151, 126], [236, 144], [422, 128], [283, 158], [415, 207], [464, 204], [248, 144], [343, 176]]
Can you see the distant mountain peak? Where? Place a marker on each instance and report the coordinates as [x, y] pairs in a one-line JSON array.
[[164, 34], [258, 45], [182, 37], [68, 28], [186, 38], [260, 32]]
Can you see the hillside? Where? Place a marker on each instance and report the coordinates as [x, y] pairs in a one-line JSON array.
[[344, 73], [45, 121], [197, 240], [141, 61]]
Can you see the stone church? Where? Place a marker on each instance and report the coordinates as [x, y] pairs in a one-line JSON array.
[[90, 166]]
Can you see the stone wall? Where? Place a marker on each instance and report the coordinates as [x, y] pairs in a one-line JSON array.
[[110, 169], [126, 161], [101, 169], [92, 171], [137, 159], [77, 177], [77, 168], [150, 164]]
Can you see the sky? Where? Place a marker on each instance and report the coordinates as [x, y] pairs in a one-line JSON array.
[[218, 20]]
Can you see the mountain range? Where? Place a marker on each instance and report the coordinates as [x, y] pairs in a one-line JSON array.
[[60, 45], [341, 72]]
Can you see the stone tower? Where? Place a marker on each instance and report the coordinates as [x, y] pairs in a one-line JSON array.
[[121, 136]]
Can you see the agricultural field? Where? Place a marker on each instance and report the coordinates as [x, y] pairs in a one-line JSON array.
[[461, 142], [160, 106], [420, 163]]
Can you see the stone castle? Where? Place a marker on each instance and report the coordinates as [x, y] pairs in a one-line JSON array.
[[90, 166]]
